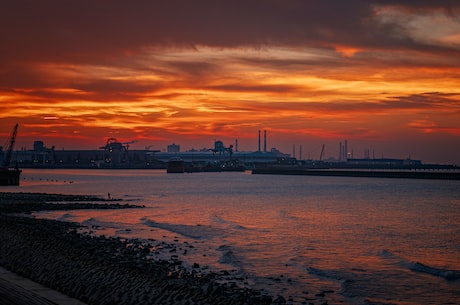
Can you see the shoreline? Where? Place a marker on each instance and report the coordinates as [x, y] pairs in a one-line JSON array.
[[103, 270]]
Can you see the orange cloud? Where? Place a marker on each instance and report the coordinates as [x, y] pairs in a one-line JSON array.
[[347, 51]]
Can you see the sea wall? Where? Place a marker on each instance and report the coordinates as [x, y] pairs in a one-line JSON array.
[[420, 174]]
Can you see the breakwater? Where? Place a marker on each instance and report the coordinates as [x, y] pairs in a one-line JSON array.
[[407, 174], [104, 270]]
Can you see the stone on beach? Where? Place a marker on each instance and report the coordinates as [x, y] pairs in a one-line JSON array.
[[101, 270]]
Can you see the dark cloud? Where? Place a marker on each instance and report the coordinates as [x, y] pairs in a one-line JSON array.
[[110, 32], [88, 30], [417, 4], [431, 101], [116, 90], [257, 88], [194, 68]]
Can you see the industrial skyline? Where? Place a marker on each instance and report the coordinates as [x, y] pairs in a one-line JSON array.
[[300, 152], [40, 151]]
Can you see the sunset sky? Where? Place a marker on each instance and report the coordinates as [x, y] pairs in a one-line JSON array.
[[384, 74]]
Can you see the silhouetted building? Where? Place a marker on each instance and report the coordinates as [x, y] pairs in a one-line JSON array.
[[173, 148]]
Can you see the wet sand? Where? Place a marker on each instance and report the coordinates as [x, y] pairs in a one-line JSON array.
[[99, 270]]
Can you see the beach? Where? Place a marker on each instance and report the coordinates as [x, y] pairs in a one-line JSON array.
[[105, 270]]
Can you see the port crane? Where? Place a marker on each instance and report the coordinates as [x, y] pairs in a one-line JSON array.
[[113, 144], [9, 150], [116, 152], [321, 156], [10, 176], [129, 143]]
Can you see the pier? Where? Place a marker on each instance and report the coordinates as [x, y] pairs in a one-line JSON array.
[[369, 173]]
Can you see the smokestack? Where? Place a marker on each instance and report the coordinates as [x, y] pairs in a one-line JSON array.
[[265, 140], [259, 141], [340, 151], [346, 150], [236, 144]]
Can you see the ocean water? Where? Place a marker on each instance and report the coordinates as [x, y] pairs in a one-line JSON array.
[[336, 239]]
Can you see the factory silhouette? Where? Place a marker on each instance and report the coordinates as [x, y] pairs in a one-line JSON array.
[[118, 155]]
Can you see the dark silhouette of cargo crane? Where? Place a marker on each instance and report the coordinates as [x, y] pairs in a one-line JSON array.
[[9, 150], [114, 144], [116, 152], [10, 176]]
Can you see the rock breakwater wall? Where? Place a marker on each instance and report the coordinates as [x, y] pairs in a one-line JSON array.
[[101, 270]]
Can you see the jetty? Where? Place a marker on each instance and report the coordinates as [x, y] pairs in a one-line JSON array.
[[415, 174], [353, 169]]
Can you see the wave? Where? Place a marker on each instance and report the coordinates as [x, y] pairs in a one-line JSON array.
[[328, 274], [358, 286], [228, 223], [285, 215], [450, 275], [190, 231], [447, 274], [65, 217], [95, 223], [387, 254], [349, 282], [228, 257]]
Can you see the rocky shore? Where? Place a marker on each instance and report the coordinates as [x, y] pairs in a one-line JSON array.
[[103, 270], [29, 202]]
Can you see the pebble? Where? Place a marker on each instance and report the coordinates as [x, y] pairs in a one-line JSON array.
[[103, 270]]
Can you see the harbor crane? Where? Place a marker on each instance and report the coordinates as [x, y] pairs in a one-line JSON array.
[[113, 144], [10, 176], [9, 150], [321, 156], [116, 152]]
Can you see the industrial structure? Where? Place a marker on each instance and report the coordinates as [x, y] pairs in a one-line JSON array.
[[8, 175], [116, 154], [220, 156]]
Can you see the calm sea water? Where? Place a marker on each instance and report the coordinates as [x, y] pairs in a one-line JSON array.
[[359, 240]]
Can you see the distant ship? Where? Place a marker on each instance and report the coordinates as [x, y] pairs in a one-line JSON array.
[[175, 165], [10, 176]]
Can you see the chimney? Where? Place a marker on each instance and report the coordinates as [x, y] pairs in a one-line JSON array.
[[346, 150], [259, 142], [340, 151], [265, 140]]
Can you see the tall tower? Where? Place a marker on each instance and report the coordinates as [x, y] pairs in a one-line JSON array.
[[265, 140], [259, 141], [346, 150], [340, 151]]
